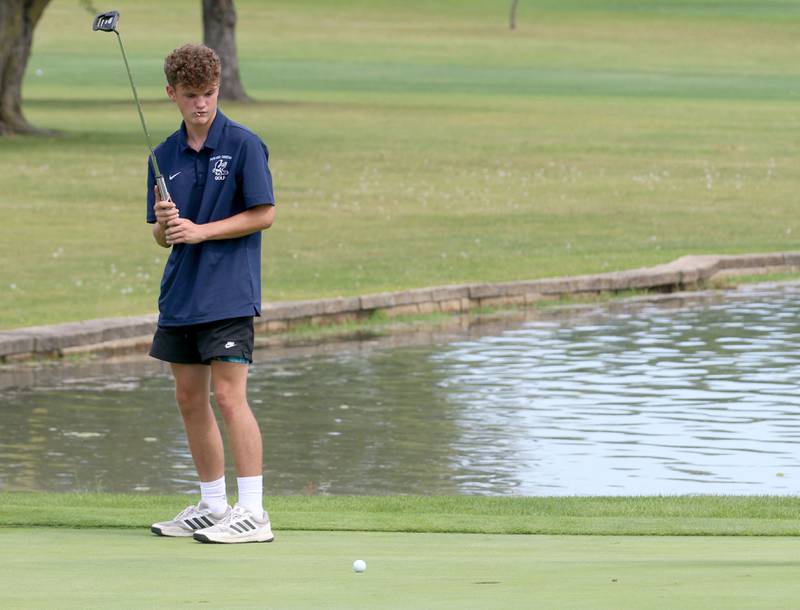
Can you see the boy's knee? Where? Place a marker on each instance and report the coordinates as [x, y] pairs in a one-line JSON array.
[[229, 399], [190, 401]]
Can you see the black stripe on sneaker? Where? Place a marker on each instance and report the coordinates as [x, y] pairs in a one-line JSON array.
[[198, 525], [190, 524], [237, 527], [250, 525], [207, 521]]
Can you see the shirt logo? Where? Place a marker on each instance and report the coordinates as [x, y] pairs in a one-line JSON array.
[[229, 344], [220, 169], [173, 175]]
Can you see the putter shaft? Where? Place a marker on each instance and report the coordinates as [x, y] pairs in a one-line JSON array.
[[161, 184]]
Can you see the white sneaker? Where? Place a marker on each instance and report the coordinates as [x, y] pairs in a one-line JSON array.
[[189, 520], [239, 525]]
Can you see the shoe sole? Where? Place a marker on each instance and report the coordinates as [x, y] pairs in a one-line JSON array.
[[159, 532], [203, 538]]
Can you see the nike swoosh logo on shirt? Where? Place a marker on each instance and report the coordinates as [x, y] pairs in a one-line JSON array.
[[173, 175]]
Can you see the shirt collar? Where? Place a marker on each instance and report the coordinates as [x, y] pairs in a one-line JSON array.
[[214, 134]]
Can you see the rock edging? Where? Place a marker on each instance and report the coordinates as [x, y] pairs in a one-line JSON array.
[[132, 334]]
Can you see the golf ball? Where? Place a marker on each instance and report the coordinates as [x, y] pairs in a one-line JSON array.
[[359, 565], [39, 71]]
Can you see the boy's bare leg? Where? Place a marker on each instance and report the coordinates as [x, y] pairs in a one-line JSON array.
[[229, 380], [192, 382], [205, 441], [247, 521]]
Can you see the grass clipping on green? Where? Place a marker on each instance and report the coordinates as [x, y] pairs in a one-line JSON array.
[[638, 515]]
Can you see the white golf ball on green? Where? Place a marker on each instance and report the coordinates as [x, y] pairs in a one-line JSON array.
[[359, 565]]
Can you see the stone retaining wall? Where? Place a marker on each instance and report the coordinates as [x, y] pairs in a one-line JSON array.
[[120, 335]]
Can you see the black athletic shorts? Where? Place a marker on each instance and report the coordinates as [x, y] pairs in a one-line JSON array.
[[228, 340]]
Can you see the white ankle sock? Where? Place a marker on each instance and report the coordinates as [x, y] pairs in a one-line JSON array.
[[213, 493], [250, 491]]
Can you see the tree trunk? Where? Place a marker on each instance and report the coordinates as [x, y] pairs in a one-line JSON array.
[[512, 19], [219, 25], [18, 18]]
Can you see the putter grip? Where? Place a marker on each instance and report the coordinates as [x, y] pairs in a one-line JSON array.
[[162, 188]]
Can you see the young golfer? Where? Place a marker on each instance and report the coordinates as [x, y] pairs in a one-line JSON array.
[[220, 200]]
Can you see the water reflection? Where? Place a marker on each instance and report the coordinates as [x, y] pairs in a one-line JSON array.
[[625, 399], [699, 400]]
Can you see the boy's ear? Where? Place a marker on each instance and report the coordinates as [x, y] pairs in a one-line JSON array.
[[171, 92]]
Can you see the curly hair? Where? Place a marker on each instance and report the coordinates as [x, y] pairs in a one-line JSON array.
[[193, 65]]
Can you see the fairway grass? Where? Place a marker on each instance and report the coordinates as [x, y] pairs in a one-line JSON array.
[[417, 144], [67, 568]]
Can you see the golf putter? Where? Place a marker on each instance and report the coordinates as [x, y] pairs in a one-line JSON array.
[[107, 22]]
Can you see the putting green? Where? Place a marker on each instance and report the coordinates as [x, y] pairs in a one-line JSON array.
[[67, 568]]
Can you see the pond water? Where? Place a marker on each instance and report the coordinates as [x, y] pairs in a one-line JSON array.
[[662, 397]]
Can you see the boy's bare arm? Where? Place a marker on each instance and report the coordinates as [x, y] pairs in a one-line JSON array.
[[184, 231], [158, 235]]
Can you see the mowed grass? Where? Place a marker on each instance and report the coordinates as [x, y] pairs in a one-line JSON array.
[[64, 568], [417, 143], [643, 515]]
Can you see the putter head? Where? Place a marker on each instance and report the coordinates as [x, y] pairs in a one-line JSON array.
[[106, 22]]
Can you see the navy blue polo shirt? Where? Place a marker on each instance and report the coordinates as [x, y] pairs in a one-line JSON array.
[[216, 279]]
